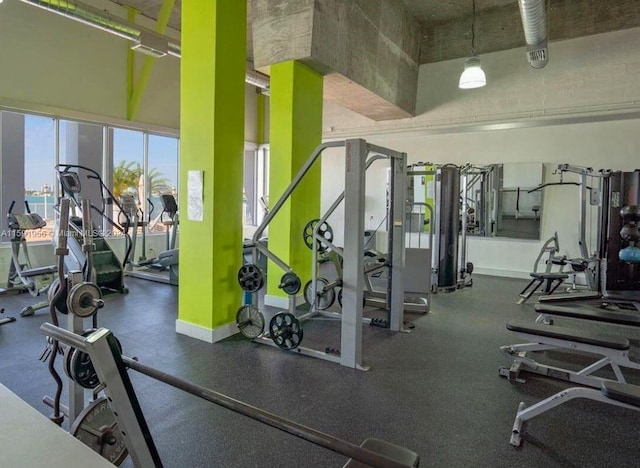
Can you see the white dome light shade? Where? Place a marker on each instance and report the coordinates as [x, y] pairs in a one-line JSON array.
[[473, 76]]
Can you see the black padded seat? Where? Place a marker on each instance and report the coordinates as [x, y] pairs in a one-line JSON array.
[[550, 276], [607, 316], [395, 452], [570, 334], [624, 392]]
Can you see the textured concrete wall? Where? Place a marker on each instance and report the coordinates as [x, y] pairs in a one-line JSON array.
[[501, 28], [281, 30], [373, 46], [585, 76]]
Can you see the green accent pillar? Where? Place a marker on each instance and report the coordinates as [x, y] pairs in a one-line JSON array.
[[295, 131], [212, 91]]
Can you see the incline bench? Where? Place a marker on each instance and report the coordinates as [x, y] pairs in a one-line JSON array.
[[552, 280], [613, 393], [612, 349], [548, 311]]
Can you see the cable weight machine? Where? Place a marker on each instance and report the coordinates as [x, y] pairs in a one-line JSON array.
[[285, 329]]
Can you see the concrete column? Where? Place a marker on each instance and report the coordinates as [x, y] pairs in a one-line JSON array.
[[295, 131], [368, 49], [85, 147], [11, 167], [212, 96]]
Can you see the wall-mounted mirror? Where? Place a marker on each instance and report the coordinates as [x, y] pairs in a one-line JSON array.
[[502, 200], [498, 200]]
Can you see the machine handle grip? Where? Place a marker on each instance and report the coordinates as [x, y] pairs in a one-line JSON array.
[[64, 224]]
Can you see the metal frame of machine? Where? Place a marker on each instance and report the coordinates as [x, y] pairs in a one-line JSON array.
[[353, 284], [450, 269]]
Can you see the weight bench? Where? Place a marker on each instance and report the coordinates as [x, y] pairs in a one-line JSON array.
[[546, 312], [613, 393], [552, 280], [399, 454], [612, 349]]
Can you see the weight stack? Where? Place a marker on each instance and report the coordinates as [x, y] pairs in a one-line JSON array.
[[449, 209]]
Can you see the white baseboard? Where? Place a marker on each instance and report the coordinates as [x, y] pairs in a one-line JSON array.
[[281, 302], [206, 334]]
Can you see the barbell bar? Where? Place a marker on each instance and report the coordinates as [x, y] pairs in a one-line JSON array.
[[327, 441]]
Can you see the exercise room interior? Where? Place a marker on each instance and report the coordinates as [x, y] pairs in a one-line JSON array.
[[320, 233]]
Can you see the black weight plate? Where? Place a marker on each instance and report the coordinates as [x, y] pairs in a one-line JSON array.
[[290, 283], [80, 368], [324, 231], [250, 277], [286, 331]]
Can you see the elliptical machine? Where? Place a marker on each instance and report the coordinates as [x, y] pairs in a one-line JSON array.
[[23, 277], [166, 261]]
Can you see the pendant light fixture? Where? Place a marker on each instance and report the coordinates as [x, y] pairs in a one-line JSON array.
[[473, 76]]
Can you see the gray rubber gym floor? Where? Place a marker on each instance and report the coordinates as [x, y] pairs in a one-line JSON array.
[[435, 390]]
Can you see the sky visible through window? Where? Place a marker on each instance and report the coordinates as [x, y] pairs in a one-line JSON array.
[[39, 152], [128, 146]]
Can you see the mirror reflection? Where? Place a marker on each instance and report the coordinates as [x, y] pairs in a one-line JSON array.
[[503, 200], [497, 200]]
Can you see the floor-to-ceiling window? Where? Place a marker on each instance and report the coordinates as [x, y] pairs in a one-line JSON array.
[[39, 179]]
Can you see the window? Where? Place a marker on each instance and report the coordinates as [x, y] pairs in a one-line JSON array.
[[128, 163], [39, 179], [256, 186], [162, 175]]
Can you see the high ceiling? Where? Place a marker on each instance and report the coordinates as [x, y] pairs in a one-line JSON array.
[[436, 11], [423, 10], [446, 24]]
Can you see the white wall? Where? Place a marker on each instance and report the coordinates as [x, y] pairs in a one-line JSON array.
[[51, 61], [57, 66], [583, 109]]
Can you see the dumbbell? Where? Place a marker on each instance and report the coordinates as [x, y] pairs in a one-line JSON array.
[[630, 231], [630, 214], [629, 254]]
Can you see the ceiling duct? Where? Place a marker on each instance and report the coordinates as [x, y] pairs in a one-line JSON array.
[[110, 23], [534, 23]]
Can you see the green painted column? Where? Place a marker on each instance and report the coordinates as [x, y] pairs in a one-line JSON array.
[[295, 131], [212, 141]]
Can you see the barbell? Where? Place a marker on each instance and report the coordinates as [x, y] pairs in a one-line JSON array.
[[121, 363]]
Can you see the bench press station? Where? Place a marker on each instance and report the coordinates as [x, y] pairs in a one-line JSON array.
[[551, 280], [543, 336], [613, 351], [601, 315], [613, 393]]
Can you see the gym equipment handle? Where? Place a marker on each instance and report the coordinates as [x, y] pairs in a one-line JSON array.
[[303, 432]]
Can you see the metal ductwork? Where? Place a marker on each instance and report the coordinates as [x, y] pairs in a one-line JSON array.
[[534, 23], [107, 22]]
